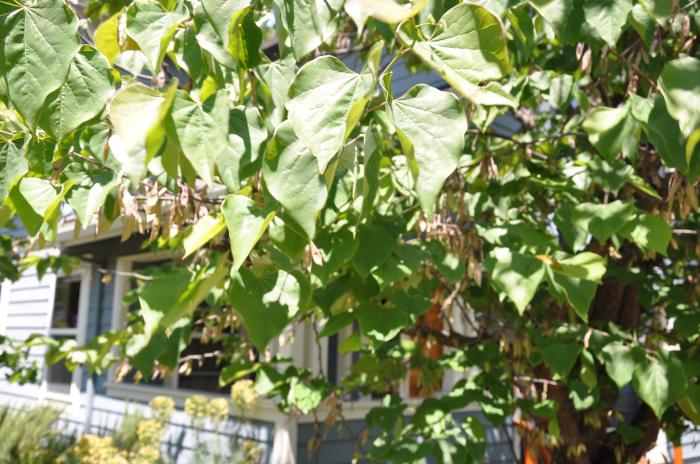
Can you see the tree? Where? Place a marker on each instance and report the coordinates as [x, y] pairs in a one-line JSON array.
[[556, 265]]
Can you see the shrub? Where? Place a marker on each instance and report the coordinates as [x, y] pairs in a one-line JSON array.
[[27, 433]]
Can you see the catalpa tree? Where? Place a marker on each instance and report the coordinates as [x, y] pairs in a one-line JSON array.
[[553, 267]]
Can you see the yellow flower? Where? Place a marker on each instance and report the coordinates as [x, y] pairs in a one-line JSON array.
[[162, 407], [91, 449], [150, 432], [252, 452], [196, 407], [218, 409], [244, 395], [146, 455]]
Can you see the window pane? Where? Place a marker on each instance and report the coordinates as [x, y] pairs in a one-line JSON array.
[[65, 308], [205, 376], [58, 378]]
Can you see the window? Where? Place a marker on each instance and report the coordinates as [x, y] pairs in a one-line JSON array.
[[202, 373], [69, 306]]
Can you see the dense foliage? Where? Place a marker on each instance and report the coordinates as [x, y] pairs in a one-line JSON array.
[[554, 266]]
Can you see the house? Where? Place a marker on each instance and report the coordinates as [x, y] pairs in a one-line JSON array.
[[85, 304]]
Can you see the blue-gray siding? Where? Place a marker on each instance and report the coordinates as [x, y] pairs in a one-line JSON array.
[[340, 442]]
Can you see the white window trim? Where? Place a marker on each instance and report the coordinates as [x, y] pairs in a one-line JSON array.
[[72, 399]]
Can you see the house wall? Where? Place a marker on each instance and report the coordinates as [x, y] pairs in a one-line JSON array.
[[341, 442], [25, 309]]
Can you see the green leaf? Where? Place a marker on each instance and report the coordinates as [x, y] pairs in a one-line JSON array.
[[307, 397], [607, 18], [291, 175], [380, 323], [309, 23], [515, 234], [659, 382], [579, 293], [137, 113], [267, 303], [664, 132], [37, 201], [610, 175], [289, 239], [601, 221], [643, 23], [585, 266], [680, 85], [375, 245], [560, 91], [246, 224], [152, 27], [276, 79], [245, 38], [81, 98], [516, 275], [87, 200], [564, 16], [39, 42], [387, 11], [560, 357], [326, 99], [660, 10], [650, 232], [107, 37], [212, 21], [200, 130], [201, 232], [431, 125], [13, 165], [246, 137], [337, 323], [175, 294], [336, 247], [370, 177], [620, 361], [351, 344], [468, 47], [612, 131], [220, 14], [690, 403]]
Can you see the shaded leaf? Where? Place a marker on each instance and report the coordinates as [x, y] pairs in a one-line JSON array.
[[659, 382], [267, 303], [246, 224], [291, 175], [516, 275]]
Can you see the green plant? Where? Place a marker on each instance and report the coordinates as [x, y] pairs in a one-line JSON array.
[[533, 224], [29, 434], [91, 449], [126, 436]]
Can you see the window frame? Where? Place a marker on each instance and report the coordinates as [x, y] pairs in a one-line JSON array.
[[79, 333], [124, 266]]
